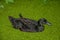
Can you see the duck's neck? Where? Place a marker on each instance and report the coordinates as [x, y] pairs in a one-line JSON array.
[[41, 24]]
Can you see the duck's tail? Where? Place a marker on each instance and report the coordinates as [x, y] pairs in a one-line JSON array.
[[11, 19]]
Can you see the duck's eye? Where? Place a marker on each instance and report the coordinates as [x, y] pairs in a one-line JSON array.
[[44, 20]]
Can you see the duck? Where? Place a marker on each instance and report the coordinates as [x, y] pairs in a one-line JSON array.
[[28, 25]]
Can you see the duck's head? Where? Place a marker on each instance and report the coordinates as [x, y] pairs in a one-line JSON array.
[[43, 21]]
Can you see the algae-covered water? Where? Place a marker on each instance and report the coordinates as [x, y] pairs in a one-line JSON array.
[[33, 9]]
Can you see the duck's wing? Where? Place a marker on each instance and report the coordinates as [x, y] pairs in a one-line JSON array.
[[29, 21]]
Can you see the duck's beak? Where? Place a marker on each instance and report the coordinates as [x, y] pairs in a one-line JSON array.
[[49, 24]]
